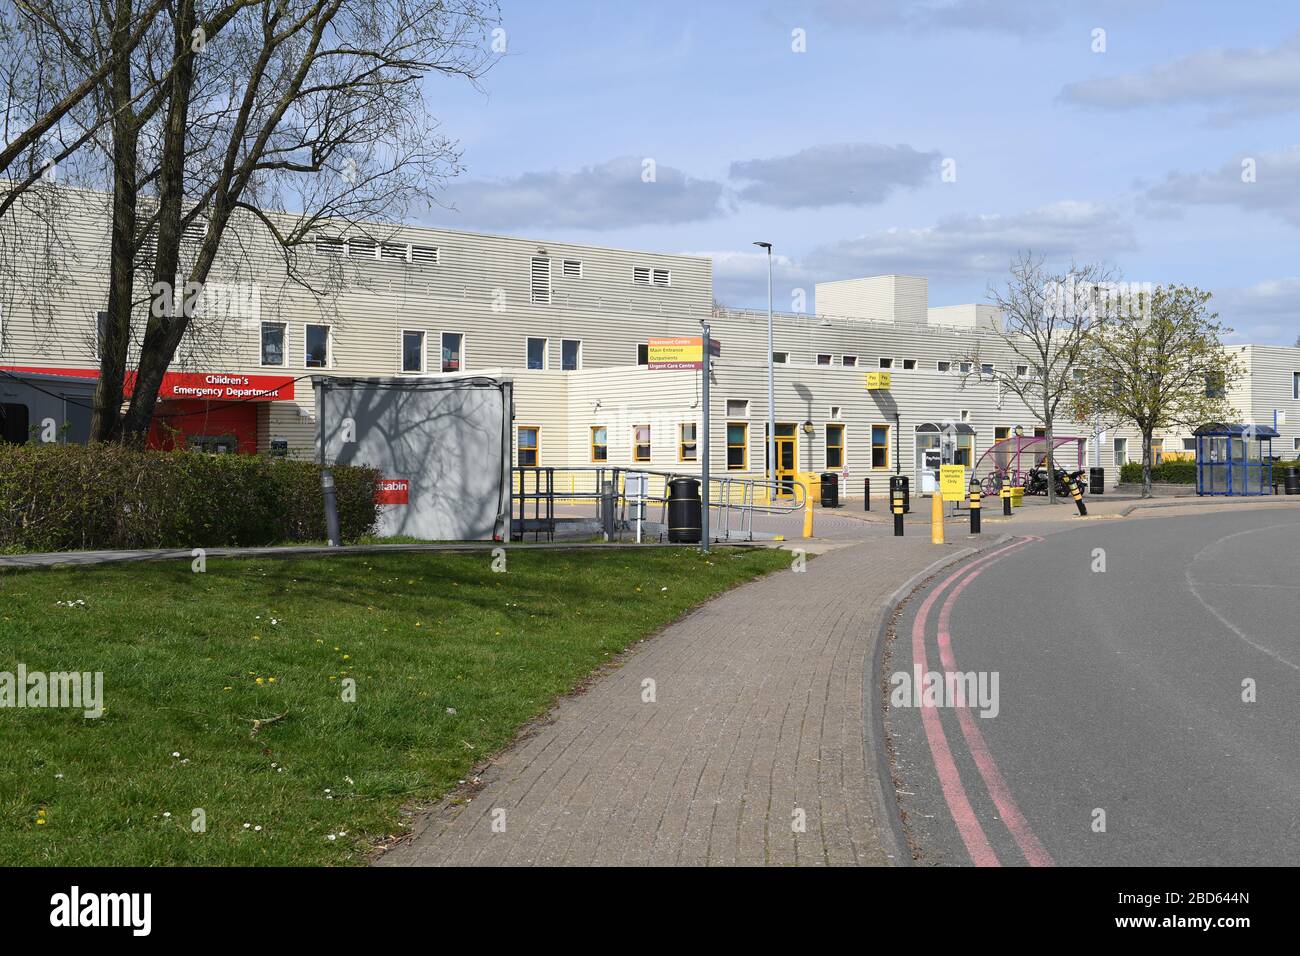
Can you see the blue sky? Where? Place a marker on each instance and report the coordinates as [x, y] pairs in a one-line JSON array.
[[1132, 156]]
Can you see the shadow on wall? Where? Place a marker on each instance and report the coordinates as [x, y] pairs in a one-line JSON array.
[[449, 439]]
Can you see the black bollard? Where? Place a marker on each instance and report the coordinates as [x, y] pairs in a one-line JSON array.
[[1077, 494], [331, 508], [976, 502], [1006, 501], [866, 494]]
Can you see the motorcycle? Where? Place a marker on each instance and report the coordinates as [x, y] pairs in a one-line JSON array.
[[1036, 482]]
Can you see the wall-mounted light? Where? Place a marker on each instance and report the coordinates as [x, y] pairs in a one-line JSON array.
[[808, 428]]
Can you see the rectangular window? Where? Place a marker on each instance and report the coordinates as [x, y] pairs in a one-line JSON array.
[[1295, 444], [886, 363], [273, 343], [849, 361], [943, 366], [986, 369], [688, 448], [540, 279], [317, 351], [412, 351], [1002, 433], [640, 442], [528, 442], [737, 408], [1157, 451], [536, 353], [835, 413], [909, 364], [880, 446], [737, 446], [1121, 452], [1214, 385], [643, 354], [834, 446], [451, 349], [570, 355], [599, 443], [572, 269], [15, 423], [1189, 444], [823, 358], [964, 368], [964, 454], [1022, 371], [1295, 385], [780, 358]]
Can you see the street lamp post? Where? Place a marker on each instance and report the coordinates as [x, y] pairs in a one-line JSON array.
[[771, 391]]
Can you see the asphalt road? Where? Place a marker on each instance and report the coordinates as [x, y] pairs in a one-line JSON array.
[[1119, 693]]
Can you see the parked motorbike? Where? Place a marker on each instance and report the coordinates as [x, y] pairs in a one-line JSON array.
[[1036, 482]]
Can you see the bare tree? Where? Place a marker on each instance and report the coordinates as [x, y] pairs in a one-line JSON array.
[[1045, 320]]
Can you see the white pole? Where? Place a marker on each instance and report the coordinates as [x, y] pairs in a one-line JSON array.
[[771, 391]]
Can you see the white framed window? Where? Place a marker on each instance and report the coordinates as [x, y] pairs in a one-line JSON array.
[[101, 331], [886, 363], [1295, 444], [964, 415], [909, 364], [570, 355], [1022, 372], [643, 353], [453, 351], [737, 408], [835, 413], [572, 268], [964, 368], [274, 342], [1121, 452], [317, 348], [1295, 385], [986, 370], [780, 358], [849, 361], [412, 350], [540, 280], [943, 366], [823, 358], [535, 354]]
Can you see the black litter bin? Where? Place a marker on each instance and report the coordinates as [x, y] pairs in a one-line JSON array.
[[1096, 481], [830, 489], [684, 511], [1291, 484]]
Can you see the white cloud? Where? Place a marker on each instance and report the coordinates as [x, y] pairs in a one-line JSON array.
[[964, 247], [1238, 82], [1265, 313], [1275, 188], [834, 174], [611, 195]]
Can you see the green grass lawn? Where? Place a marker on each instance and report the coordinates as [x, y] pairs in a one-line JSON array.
[[448, 657]]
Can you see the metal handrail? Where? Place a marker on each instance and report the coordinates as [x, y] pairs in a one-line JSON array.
[[729, 497]]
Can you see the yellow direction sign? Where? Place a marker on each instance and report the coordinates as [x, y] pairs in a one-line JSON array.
[[878, 381], [681, 352], [952, 482]]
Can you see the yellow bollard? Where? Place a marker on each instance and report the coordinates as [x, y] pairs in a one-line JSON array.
[[936, 518], [807, 508]]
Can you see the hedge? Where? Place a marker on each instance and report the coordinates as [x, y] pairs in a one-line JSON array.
[[1182, 472], [91, 497]]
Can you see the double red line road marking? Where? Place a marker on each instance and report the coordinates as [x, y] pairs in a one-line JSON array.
[[954, 792]]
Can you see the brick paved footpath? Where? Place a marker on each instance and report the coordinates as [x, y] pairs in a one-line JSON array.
[[758, 713]]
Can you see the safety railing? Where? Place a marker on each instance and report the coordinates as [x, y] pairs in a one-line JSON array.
[[733, 501]]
